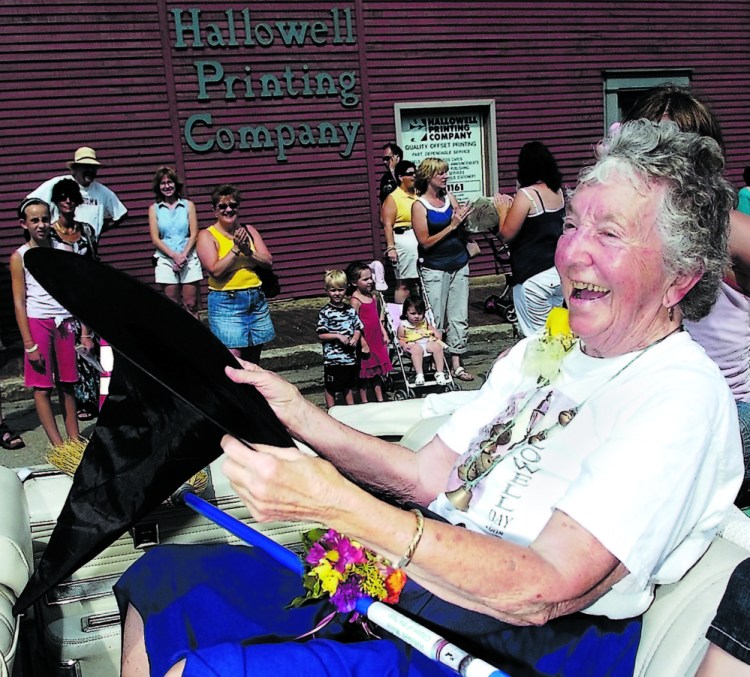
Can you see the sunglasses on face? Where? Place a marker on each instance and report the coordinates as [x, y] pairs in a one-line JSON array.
[[410, 173], [387, 158], [228, 205], [68, 198]]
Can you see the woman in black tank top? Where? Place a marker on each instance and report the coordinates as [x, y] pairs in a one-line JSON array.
[[531, 224]]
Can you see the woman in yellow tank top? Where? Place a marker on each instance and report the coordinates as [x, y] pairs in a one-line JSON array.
[[400, 243], [238, 312]]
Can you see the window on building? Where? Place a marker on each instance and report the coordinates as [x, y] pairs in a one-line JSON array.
[[622, 89]]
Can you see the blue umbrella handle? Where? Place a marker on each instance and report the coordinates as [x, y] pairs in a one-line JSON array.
[[427, 642], [282, 555]]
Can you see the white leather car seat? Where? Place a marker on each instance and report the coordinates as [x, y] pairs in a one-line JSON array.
[[673, 638], [15, 562]]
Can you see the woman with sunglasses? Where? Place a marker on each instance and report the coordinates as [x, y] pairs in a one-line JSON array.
[[400, 242], [80, 238], [238, 312]]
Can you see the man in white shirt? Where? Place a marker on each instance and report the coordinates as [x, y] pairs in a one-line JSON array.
[[101, 208]]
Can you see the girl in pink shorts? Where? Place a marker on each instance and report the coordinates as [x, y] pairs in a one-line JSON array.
[[47, 329]]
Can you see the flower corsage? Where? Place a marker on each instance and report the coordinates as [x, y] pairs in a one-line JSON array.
[[544, 355], [344, 571]]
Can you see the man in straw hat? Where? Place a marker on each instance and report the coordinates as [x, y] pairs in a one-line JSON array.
[[101, 207]]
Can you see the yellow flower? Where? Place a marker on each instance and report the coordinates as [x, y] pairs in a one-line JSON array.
[[372, 582], [328, 576], [557, 323]]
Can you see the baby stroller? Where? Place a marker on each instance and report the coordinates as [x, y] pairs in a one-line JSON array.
[[403, 377], [484, 221]]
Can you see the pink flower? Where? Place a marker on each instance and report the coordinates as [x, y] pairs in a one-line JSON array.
[[348, 553], [316, 554]]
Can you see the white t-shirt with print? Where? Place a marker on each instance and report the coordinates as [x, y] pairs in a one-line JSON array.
[[99, 203], [649, 464]]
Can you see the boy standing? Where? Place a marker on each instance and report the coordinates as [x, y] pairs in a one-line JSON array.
[[340, 329]]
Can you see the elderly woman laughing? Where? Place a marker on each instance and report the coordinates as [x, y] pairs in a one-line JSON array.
[[583, 475]]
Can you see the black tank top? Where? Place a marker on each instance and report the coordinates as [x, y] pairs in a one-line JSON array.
[[533, 249]]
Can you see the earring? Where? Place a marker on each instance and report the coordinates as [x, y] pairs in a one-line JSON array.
[[670, 313]]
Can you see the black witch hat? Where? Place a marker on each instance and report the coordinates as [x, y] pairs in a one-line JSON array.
[[169, 405]]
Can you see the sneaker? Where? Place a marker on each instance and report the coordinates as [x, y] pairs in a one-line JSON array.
[[419, 380], [440, 378]]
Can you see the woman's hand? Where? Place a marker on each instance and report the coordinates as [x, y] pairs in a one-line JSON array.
[[502, 201], [283, 484], [460, 214], [285, 400], [392, 255], [179, 260], [87, 342], [242, 240]]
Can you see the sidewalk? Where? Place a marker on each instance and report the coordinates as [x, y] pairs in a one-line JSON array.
[[296, 346]]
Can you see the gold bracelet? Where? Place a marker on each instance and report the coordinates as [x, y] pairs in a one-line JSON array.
[[404, 561]]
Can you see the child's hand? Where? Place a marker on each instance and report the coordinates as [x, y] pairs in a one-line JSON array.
[[365, 347], [36, 360]]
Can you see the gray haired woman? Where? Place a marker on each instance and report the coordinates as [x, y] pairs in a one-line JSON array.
[[551, 520]]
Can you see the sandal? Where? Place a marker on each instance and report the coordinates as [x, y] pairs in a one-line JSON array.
[[462, 375], [84, 415], [9, 439]]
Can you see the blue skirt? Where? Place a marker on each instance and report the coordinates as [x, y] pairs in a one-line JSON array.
[[223, 609]]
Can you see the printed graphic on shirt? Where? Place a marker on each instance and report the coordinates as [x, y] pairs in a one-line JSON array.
[[344, 320], [500, 468]]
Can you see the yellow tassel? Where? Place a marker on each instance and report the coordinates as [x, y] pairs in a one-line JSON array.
[[67, 457], [544, 355], [199, 481], [558, 328]]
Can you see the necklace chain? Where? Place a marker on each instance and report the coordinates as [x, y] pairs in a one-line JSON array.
[[484, 460]]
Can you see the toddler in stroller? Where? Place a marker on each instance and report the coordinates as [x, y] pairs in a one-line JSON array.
[[417, 337]]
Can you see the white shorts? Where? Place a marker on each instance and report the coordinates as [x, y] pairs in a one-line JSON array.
[[535, 298], [406, 247], [190, 272]]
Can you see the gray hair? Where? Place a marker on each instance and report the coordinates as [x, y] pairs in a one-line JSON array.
[[693, 219]]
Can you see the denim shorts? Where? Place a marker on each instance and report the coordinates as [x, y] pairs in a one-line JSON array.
[[730, 629], [240, 318]]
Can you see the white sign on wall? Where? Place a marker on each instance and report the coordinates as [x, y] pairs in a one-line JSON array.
[[457, 134]]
